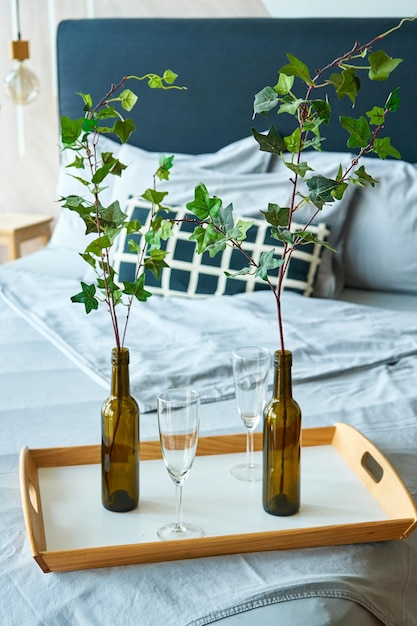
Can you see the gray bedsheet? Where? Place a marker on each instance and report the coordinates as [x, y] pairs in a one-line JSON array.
[[356, 365]]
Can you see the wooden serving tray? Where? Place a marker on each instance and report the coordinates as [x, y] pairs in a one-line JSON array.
[[350, 494]]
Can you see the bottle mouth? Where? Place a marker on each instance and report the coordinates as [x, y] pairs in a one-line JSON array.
[[120, 357], [283, 357]]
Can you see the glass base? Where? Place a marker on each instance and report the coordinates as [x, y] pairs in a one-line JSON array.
[[249, 473], [179, 531]]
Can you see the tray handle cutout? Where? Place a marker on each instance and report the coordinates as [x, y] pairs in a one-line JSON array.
[[31, 502], [386, 486], [371, 465], [33, 496]]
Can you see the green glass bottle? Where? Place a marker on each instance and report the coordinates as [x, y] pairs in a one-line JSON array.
[[282, 443], [120, 440]]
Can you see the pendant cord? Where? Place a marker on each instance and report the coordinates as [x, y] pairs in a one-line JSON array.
[[18, 19], [16, 7]]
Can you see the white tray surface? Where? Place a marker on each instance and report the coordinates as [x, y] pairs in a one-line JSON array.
[[221, 505]]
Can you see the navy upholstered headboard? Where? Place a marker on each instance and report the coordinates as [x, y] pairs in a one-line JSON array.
[[224, 62]]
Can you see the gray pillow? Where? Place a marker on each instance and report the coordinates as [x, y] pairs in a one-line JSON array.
[[380, 241]]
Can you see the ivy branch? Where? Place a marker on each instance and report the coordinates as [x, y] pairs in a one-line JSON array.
[[217, 228], [107, 222]]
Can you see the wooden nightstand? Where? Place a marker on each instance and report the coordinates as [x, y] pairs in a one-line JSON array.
[[18, 227]]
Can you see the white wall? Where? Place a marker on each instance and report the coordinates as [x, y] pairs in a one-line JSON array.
[[332, 8], [29, 155]]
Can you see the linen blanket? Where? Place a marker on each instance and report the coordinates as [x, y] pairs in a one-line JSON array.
[[181, 341], [360, 369]]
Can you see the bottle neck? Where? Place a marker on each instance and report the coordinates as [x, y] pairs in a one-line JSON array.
[[282, 375], [120, 372]]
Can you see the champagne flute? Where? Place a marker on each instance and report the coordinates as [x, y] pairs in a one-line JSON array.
[[251, 365], [178, 422]]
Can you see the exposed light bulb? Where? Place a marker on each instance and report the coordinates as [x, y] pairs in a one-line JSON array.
[[20, 84]]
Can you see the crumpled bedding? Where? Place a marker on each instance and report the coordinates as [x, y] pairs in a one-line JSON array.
[[183, 341], [351, 364]]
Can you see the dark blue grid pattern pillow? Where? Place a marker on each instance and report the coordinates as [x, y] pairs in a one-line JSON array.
[[197, 275]]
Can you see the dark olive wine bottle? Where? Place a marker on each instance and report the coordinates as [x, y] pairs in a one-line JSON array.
[[282, 443], [120, 440]]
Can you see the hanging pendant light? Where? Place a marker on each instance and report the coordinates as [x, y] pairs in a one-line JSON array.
[[20, 84]]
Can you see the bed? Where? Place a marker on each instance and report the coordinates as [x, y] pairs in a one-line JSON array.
[[354, 339]]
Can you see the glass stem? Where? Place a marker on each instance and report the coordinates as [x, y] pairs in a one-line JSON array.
[[179, 506], [249, 447]]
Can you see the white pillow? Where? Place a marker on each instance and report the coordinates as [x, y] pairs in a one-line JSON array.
[[69, 231], [330, 278], [240, 157], [380, 251]]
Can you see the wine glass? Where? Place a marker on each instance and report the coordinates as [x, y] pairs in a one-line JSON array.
[[251, 365], [178, 422]]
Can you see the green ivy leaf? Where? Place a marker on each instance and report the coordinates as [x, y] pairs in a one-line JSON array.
[[376, 116], [363, 178], [87, 99], [116, 167], [206, 236], [134, 246], [90, 223], [239, 231], [99, 244], [113, 214], [301, 169], [137, 289], [265, 100], [203, 206], [133, 226], [225, 218], [109, 286], [322, 189], [106, 112], [245, 270], [267, 262], [383, 148], [346, 84], [128, 99], [359, 130], [83, 181], [101, 173], [297, 68], [86, 297], [169, 77], [76, 203], [290, 107], [322, 109], [283, 234], [271, 142], [123, 129], [156, 263], [77, 163], [165, 164], [393, 100], [90, 124], [70, 130], [88, 258], [313, 126], [276, 215], [155, 81], [284, 84], [154, 196], [381, 65], [165, 229], [293, 141]]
